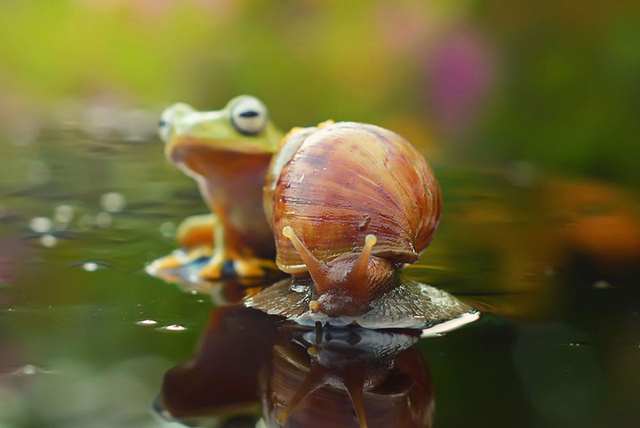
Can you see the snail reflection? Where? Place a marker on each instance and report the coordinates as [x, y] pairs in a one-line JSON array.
[[257, 368]]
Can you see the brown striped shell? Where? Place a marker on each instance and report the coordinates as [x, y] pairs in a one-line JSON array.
[[339, 182]]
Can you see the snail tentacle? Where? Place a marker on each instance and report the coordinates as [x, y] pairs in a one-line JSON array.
[[359, 270], [317, 269]]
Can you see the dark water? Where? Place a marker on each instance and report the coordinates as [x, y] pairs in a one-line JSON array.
[[87, 339]]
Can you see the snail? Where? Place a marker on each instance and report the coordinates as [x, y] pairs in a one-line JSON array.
[[350, 204]]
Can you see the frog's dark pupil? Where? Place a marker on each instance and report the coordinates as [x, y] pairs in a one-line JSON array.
[[249, 113], [162, 123]]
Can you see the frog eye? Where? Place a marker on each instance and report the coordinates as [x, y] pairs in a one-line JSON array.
[[168, 119], [249, 116], [165, 124]]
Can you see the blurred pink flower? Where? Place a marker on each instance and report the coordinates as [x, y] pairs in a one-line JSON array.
[[461, 71]]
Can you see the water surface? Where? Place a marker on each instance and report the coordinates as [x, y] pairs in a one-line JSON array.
[[88, 339]]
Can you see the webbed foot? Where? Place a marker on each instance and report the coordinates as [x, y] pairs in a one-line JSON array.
[[244, 267], [179, 258]]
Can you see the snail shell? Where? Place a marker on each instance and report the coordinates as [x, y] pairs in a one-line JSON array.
[[349, 204], [345, 181]]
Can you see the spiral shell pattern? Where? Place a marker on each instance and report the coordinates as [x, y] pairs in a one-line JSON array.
[[339, 183]]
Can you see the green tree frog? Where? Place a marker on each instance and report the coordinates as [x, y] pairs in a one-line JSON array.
[[227, 152]]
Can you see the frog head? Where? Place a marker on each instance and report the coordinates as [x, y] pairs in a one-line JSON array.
[[241, 127]]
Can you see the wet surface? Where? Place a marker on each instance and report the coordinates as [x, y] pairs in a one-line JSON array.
[[87, 338]]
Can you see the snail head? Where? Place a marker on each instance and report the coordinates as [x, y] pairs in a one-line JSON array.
[[348, 284]]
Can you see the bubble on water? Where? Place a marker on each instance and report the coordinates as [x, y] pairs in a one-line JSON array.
[[38, 172], [91, 266], [40, 224], [147, 322], [63, 214], [174, 327], [48, 241], [104, 220], [29, 369], [113, 202]]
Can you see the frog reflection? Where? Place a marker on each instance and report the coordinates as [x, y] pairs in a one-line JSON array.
[[303, 377]]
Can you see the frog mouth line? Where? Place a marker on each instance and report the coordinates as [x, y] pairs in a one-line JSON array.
[[180, 147]]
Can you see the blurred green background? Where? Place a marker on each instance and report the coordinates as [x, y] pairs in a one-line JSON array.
[[554, 83], [528, 111]]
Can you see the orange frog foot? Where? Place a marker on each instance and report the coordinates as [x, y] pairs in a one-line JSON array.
[[179, 258], [244, 267]]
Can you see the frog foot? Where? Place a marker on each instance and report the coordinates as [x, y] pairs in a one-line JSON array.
[[251, 266], [179, 258], [244, 267]]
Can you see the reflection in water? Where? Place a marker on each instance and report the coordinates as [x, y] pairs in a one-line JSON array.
[[527, 252], [223, 377], [347, 377], [303, 377]]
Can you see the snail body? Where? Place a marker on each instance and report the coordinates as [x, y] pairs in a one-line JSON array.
[[350, 204]]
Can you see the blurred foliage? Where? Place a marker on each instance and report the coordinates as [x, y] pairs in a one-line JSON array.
[[552, 82]]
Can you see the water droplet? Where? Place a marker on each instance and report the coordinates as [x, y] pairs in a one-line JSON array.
[[175, 327], [63, 214], [29, 369], [48, 241], [90, 266], [147, 322], [40, 224], [113, 202]]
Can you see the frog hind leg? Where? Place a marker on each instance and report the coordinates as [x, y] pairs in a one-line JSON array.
[[196, 230], [195, 235]]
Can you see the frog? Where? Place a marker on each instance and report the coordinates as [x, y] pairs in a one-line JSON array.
[[227, 152]]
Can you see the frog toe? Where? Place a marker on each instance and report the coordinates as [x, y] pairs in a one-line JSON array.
[[253, 267], [172, 261]]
